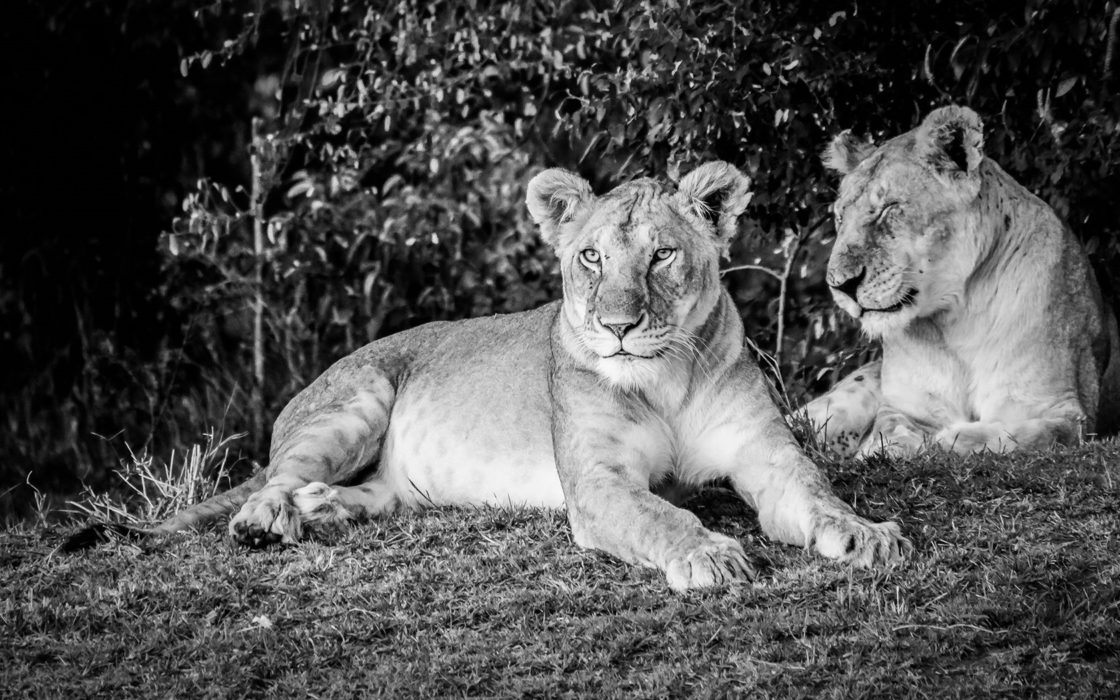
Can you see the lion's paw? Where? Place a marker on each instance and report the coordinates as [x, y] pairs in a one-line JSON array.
[[718, 561], [853, 540], [266, 518], [319, 504], [964, 438], [897, 441]]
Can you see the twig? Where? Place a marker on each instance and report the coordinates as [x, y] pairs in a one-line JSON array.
[[946, 628], [1110, 47], [791, 248], [757, 268], [256, 205], [795, 245]]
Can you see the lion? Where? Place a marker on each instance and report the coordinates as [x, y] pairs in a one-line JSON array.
[[994, 331], [635, 380]]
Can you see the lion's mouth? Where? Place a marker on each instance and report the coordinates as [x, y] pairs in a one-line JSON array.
[[907, 299], [625, 355]]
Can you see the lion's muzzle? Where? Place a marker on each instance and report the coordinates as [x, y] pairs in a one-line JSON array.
[[848, 286], [860, 285], [620, 326], [621, 335]]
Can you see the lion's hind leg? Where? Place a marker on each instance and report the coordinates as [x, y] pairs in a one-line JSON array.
[[326, 440], [844, 415]]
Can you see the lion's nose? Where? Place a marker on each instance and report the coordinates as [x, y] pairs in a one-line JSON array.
[[620, 327], [850, 285]]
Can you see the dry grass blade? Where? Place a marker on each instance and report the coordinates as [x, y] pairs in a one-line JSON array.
[[153, 490]]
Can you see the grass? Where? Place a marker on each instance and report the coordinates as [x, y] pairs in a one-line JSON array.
[[1013, 590], [154, 490]]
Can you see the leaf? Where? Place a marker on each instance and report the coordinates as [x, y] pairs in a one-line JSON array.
[[1066, 85], [961, 56], [302, 188], [184, 66]]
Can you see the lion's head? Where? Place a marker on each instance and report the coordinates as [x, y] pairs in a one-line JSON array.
[[640, 264], [905, 229]]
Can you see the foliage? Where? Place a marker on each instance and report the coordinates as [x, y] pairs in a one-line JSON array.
[[412, 95], [397, 140], [105, 138], [1011, 592]]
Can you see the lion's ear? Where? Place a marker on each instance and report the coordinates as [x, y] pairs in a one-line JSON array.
[[951, 139], [556, 197], [717, 193], [846, 152]]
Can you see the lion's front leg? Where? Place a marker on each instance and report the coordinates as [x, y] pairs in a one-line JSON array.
[[611, 511], [844, 415], [606, 463], [748, 441], [796, 505], [326, 446]]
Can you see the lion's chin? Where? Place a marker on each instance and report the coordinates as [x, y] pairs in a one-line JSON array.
[[878, 324], [629, 371], [881, 321]]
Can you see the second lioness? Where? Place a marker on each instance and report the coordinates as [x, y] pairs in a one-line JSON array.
[[636, 378], [995, 335]]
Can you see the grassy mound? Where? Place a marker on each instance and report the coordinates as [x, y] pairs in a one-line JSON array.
[[1013, 589]]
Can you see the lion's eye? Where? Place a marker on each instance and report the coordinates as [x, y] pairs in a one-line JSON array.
[[589, 257], [664, 254], [893, 206]]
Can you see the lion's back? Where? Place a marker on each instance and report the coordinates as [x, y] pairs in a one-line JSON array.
[[466, 360]]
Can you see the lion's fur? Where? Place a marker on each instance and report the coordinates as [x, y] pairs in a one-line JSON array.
[[540, 408], [1003, 339]]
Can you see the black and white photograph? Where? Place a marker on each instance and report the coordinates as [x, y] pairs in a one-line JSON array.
[[582, 349]]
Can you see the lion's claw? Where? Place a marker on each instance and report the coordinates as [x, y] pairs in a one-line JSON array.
[[267, 518], [862, 543], [719, 561]]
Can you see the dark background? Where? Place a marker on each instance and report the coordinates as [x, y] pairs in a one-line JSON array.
[[395, 144]]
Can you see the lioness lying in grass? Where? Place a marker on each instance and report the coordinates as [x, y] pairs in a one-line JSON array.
[[635, 379]]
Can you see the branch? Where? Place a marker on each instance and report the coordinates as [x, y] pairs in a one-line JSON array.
[[1110, 47], [256, 206], [791, 253], [757, 268]]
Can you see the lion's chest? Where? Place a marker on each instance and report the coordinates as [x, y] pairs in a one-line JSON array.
[[927, 382], [692, 439], [975, 368]]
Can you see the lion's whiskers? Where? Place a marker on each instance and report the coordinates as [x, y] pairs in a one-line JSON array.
[[686, 343]]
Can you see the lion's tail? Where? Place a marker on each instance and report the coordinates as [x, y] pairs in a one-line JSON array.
[[190, 518], [217, 506]]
